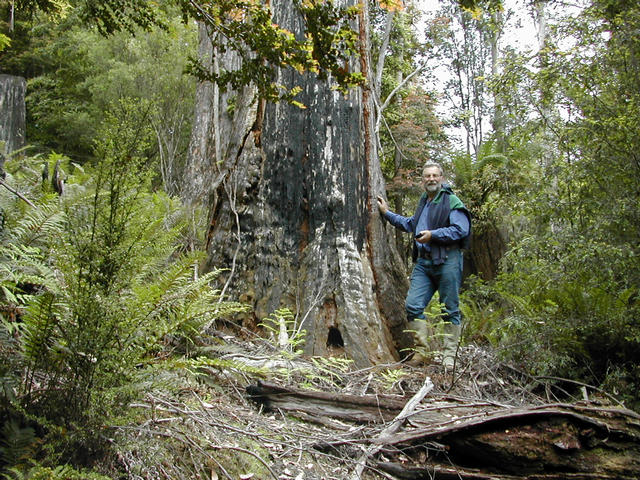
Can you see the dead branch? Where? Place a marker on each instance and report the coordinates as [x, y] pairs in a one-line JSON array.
[[16, 193], [393, 426], [355, 408], [499, 430], [482, 439]]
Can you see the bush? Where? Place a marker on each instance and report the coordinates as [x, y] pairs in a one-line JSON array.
[[61, 472], [570, 314], [108, 283]]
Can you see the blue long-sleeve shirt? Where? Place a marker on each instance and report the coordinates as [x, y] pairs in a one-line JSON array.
[[458, 226]]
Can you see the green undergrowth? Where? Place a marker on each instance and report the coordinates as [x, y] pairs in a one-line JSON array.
[[96, 288], [580, 328]]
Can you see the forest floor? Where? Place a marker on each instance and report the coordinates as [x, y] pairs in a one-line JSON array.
[[322, 419]]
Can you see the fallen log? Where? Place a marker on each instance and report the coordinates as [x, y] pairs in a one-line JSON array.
[[349, 407], [447, 438], [550, 442], [370, 409], [444, 472]]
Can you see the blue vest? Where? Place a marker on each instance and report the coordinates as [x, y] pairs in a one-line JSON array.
[[438, 217]]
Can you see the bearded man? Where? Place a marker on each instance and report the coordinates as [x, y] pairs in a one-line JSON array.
[[441, 226]]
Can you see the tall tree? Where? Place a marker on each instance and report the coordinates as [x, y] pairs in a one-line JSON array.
[[291, 192], [570, 278], [495, 27], [12, 114], [467, 50]]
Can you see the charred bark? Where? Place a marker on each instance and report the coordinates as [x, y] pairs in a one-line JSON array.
[[291, 194], [487, 248]]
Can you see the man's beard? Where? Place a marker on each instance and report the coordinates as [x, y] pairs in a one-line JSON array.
[[432, 188]]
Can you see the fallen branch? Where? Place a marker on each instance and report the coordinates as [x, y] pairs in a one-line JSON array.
[[355, 408], [15, 192], [550, 442], [393, 427], [514, 416], [480, 440]]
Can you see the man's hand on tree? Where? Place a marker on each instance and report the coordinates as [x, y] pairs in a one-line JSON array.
[[382, 205]]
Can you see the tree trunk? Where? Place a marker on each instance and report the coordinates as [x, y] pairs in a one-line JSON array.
[[487, 248], [498, 122], [292, 207], [12, 113]]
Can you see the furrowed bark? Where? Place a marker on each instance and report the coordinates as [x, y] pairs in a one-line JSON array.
[[302, 191]]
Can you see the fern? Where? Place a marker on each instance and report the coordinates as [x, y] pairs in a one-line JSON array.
[[24, 269], [176, 303], [99, 285], [21, 267], [285, 332], [10, 366], [39, 225], [41, 333], [17, 444], [329, 370], [61, 472]]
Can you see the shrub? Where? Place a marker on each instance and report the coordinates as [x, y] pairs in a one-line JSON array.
[[109, 285]]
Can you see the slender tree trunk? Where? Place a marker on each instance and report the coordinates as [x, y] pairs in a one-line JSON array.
[[382, 54], [498, 111], [12, 16], [292, 208], [12, 113]]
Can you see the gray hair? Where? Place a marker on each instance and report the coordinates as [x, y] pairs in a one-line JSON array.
[[431, 164]]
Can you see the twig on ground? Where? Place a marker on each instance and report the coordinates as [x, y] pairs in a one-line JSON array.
[[393, 427]]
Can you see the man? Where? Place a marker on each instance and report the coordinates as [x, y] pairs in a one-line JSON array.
[[441, 226]]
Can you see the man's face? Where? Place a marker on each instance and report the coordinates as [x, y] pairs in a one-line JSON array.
[[432, 180]]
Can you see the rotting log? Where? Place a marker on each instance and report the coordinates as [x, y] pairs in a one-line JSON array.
[[393, 427], [353, 408], [547, 442], [360, 408], [446, 438]]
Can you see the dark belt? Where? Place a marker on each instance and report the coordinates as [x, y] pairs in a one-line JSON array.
[[422, 253]]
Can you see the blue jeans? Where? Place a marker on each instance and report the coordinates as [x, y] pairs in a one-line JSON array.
[[426, 278]]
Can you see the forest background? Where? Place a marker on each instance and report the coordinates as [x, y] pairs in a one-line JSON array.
[[102, 277]]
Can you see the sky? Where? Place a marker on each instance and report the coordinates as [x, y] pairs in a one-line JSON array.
[[521, 30]]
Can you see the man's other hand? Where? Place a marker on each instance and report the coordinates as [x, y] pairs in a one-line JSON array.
[[424, 236]]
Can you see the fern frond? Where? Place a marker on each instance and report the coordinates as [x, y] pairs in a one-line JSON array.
[[158, 295], [14, 473], [41, 321], [39, 225], [175, 301], [17, 444], [21, 265]]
